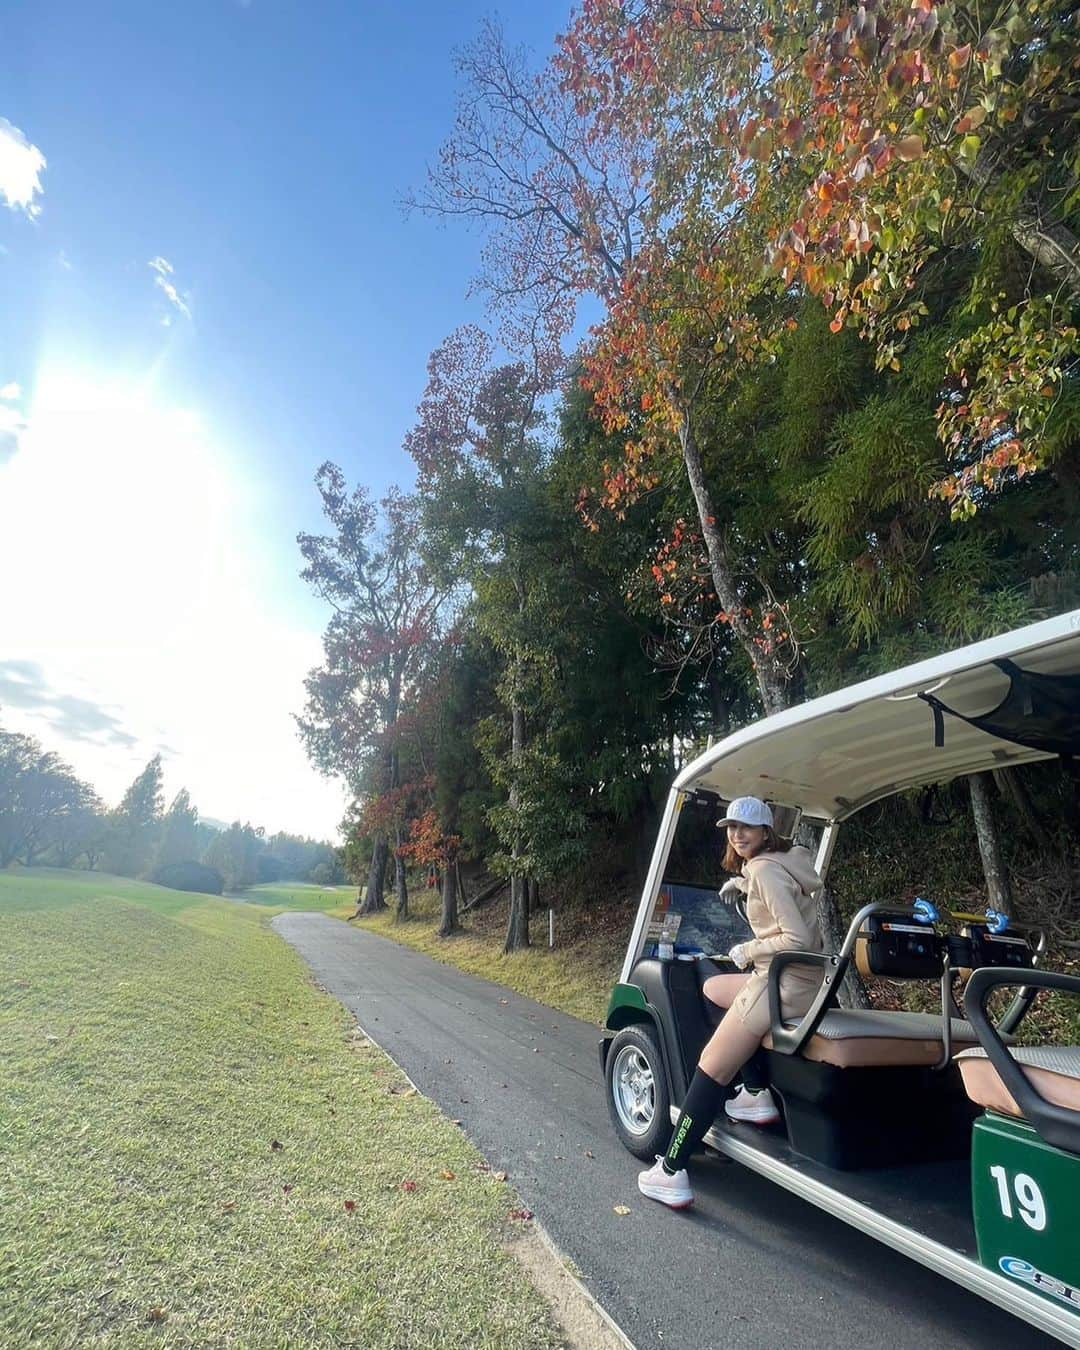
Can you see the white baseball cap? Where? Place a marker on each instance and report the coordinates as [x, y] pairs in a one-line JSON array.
[[747, 811]]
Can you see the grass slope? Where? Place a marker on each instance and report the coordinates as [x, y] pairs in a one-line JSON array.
[[197, 1149]]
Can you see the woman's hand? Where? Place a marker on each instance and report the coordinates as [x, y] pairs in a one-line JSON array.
[[739, 956]]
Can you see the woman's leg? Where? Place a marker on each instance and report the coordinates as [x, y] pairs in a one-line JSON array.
[[723, 990], [731, 1045]]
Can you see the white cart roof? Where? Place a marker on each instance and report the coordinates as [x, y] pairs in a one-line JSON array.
[[836, 754]]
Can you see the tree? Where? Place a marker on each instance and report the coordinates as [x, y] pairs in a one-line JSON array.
[[79, 833], [179, 841], [386, 614], [569, 192], [43, 805], [135, 823], [480, 462], [235, 853], [856, 149]]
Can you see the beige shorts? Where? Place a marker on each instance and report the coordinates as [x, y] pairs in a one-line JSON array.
[[798, 988]]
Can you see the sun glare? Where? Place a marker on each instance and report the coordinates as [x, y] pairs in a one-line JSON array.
[[112, 515]]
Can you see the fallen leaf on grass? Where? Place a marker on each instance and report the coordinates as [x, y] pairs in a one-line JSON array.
[[229, 1206], [287, 1189], [621, 1209], [523, 1214], [157, 1315], [408, 1185], [402, 1090], [276, 1144], [447, 1175], [350, 1206]]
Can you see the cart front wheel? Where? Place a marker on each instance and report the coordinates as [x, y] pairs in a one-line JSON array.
[[637, 1093]]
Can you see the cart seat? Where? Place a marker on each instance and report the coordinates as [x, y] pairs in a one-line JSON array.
[[1052, 1070], [857, 1038]]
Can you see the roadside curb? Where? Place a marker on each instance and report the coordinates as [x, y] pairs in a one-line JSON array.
[[547, 1282]]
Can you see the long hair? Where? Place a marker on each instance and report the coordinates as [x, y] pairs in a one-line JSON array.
[[772, 843]]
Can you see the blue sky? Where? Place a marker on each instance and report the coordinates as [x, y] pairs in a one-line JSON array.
[[213, 291]]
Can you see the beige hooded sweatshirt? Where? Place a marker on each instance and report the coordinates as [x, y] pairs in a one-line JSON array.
[[780, 904]]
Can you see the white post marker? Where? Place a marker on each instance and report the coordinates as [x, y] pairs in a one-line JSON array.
[[551, 927]]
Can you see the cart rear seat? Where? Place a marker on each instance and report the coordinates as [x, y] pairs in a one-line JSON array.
[[1053, 1071], [859, 1038]]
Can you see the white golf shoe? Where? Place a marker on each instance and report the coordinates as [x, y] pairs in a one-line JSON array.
[[755, 1108], [671, 1190]]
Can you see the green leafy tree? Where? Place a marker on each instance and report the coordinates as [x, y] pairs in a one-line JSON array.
[[135, 824], [44, 807], [386, 614], [179, 839], [235, 853]]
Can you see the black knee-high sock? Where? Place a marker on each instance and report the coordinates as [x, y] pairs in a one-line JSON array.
[[755, 1073], [697, 1114]]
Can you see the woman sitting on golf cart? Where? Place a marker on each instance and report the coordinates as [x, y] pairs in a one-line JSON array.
[[780, 884]]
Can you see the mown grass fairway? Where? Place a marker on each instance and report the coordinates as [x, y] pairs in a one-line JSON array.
[[196, 1150], [301, 895]]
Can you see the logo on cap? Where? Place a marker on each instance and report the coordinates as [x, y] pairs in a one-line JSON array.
[[747, 811]]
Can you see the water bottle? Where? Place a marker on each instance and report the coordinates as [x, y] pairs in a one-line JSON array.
[[665, 948]]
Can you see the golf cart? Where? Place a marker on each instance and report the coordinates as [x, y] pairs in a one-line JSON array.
[[924, 1130]]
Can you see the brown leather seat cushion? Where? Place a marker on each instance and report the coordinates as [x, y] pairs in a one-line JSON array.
[[1052, 1070], [859, 1038]]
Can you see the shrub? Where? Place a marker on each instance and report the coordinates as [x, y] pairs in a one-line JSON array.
[[189, 876]]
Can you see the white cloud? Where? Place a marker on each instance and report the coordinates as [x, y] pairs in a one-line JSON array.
[[11, 393], [163, 272], [21, 167], [12, 429]]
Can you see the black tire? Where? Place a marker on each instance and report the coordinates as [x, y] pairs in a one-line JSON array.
[[645, 1134]]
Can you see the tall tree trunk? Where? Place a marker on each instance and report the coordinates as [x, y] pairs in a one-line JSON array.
[[449, 921], [1010, 783], [517, 927], [771, 680], [998, 889], [373, 897], [400, 879], [833, 929]]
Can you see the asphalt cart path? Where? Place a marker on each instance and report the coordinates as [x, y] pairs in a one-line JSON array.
[[750, 1266]]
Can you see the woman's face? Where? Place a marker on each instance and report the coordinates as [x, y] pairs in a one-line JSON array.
[[746, 840]]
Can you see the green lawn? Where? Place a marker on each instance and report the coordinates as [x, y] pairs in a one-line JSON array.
[[301, 895], [196, 1149]]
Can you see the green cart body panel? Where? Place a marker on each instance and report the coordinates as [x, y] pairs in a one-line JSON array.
[[1026, 1203], [627, 1004]]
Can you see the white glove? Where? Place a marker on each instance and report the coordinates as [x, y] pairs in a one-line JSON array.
[[739, 956]]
